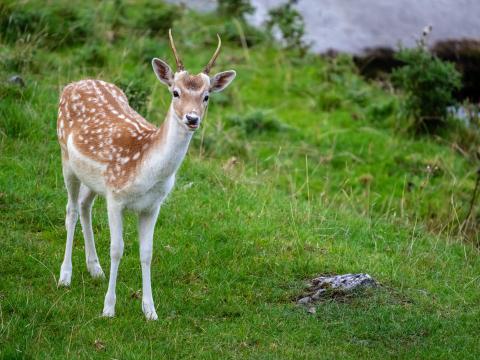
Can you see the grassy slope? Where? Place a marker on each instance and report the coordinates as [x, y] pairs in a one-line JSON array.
[[340, 191]]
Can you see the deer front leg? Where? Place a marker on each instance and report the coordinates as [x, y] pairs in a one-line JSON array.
[[73, 185], [146, 226], [116, 251]]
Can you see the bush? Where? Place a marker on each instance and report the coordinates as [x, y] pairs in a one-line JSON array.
[[290, 23], [428, 84], [235, 8]]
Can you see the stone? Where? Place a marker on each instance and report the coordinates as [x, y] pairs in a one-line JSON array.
[[17, 80], [323, 287]]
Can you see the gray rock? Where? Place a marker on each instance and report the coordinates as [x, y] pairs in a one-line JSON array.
[[17, 80], [325, 286]]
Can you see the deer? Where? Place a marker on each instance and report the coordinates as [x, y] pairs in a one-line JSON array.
[[108, 149]]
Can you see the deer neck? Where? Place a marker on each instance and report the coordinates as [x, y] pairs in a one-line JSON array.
[[169, 147]]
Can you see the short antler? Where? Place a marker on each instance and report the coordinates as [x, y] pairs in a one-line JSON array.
[[180, 66], [214, 57]]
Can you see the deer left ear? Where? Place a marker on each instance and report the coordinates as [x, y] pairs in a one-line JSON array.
[[221, 80]]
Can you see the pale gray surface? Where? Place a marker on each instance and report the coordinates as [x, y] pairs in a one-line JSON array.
[[322, 286], [353, 25]]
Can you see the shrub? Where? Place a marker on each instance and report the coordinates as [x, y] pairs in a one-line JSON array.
[[235, 8], [428, 84], [289, 22]]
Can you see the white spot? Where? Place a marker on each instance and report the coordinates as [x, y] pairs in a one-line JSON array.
[[136, 156]]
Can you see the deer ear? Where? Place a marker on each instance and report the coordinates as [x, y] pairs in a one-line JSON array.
[[163, 71], [221, 80]]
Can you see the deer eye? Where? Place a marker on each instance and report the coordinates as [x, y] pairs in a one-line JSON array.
[[176, 94], [205, 98]]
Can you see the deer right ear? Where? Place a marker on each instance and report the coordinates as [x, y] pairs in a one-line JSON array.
[[163, 71]]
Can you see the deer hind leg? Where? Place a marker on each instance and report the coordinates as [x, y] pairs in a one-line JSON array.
[[86, 199], [73, 185], [116, 251]]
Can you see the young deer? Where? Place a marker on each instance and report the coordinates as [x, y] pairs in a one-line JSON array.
[[109, 149]]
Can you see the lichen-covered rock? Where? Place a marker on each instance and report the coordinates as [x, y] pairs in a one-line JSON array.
[[325, 286]]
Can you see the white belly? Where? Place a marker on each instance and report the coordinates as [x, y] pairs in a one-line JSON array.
[[88, 171], [144, 193]]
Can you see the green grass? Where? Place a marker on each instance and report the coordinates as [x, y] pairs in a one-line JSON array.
[[326, 183]]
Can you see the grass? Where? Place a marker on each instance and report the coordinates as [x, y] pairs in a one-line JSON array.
[[300, 169]]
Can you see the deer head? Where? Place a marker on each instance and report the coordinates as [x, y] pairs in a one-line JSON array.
[[190, 93]]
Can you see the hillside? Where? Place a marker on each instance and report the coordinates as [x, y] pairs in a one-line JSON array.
[[300, 168]]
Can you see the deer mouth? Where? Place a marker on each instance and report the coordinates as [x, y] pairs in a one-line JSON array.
[[193, 126]]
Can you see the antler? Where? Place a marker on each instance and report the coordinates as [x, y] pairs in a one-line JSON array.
[[214, 57], [179, 62]]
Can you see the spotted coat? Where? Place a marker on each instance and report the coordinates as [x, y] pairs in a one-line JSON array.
[[104, 128]]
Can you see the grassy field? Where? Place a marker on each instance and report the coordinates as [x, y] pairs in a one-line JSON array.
[[301, 168]]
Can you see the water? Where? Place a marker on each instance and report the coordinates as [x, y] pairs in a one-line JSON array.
[[353, 25]]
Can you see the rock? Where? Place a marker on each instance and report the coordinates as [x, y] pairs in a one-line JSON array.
[[324, 287], [17, 80], [465, 54], [375, 62]]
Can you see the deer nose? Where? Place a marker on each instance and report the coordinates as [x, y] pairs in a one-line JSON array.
[[192, 119]]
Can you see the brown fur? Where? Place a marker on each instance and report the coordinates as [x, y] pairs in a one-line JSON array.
[[192, 89], [104, 128], [192, 82]]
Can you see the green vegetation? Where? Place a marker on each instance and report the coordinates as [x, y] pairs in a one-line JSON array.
[[300, 168], [235, 8], [429, 84], [290, 24]]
